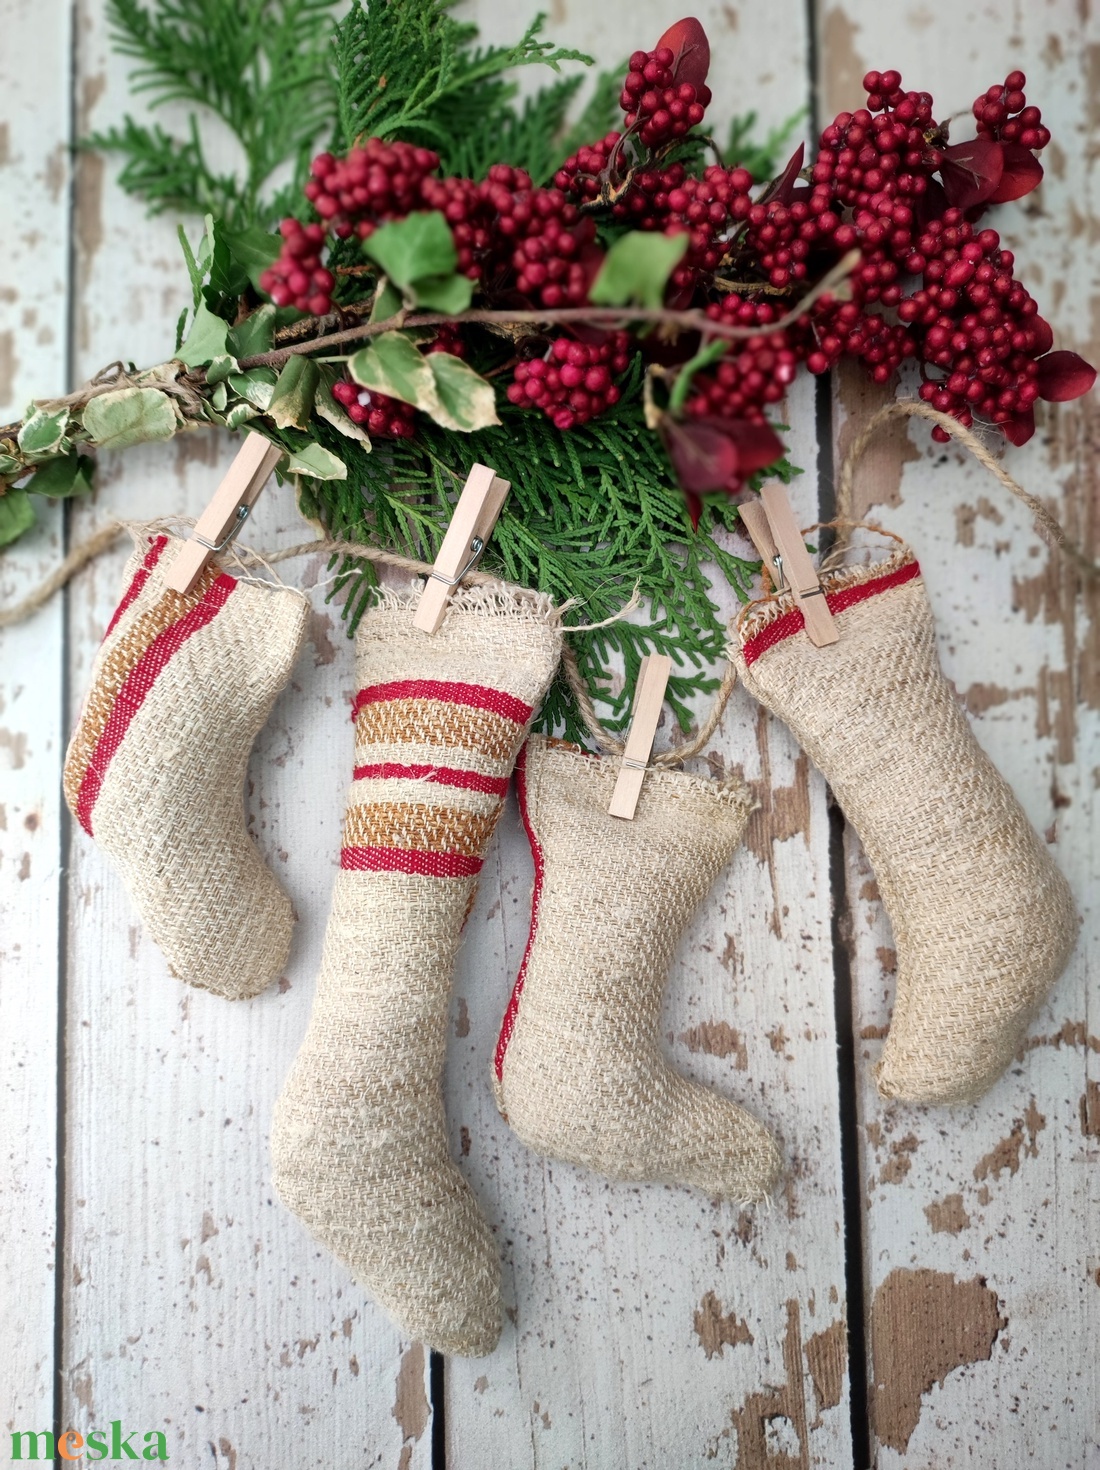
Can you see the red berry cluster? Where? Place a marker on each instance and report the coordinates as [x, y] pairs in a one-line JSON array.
[[978, 325], [298, 278], [573, 382], [929, 283], [756, 373], [382, 417], [1002, 113], [375, 182], [654, 103], [862, 156]]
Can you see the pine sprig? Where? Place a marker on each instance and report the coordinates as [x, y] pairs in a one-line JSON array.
[[592, 514], [263, 67], [408, 69]]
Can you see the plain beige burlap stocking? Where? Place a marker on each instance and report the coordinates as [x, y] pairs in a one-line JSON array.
[[181, 687], [578, 1072], [359, 1139], [983, 921]]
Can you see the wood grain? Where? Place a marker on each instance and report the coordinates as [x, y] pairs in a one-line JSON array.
[[34, 136], [648, 1328], [985, 1216], [195, 1303]]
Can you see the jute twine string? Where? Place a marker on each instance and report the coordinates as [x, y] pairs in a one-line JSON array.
[[1046, 525]]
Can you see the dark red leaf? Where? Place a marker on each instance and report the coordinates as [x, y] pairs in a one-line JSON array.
[[971, 172], [703, 457], [782, 188], [758, 445], [932, 204], [1020, 429], [1064, 375], [1044, 337], [688, 41], [1022, 173]]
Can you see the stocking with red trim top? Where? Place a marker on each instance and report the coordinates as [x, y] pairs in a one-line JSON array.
[[983, 921], [181, 686], [359, 1139], [579, 1073]]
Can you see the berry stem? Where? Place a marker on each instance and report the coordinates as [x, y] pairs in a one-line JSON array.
[[608, 317]]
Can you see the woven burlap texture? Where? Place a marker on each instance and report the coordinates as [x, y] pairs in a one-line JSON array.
[[170, 810], [359, 1141], [579, 1073], [983, 921]]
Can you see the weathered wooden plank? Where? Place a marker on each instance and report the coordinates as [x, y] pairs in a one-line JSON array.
[[196, 1304], [648, 1326], [988, 1212], [33, 327]]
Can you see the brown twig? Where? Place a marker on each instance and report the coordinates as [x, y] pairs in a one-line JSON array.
[[609, 316]]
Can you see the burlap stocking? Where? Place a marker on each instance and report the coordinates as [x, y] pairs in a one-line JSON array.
[[181, 687], [359, 1139], [578, 1072], [983, 921]]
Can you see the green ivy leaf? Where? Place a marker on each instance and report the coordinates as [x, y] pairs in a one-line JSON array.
[[451, 294], [69, 474], [316, 461], [220, 397], [16, 516], [392, 365], [221, 367], [292, 401], [409, 249], [129, 416], [255, 334], [43, 432], [387, 301], [240, 414], [468, 400], [255, 387], [207, 339], [253, 249], [637, 269]]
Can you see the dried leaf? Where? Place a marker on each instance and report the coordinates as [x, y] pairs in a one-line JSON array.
[[129, 416]]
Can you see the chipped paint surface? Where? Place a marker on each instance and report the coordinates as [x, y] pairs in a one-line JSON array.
[[924, 1325], [715, 1330]]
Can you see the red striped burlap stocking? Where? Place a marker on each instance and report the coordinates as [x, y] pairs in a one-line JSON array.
[[181, 687], [579, 1073], [983, 921], [359, 1140]]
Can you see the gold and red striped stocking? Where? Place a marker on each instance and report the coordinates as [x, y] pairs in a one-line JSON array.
[[359, 1139], [181, 686]]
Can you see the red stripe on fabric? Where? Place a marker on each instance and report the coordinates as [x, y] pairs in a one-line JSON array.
[[139, 681], [137, 582], [508, 1025], [793, 622], [442, 775], [402, 860], [476, 695]]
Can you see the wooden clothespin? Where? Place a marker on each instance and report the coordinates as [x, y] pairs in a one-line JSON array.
[[755, 520], [227, 512], [475, 515], [648, 699], [792, 563]]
